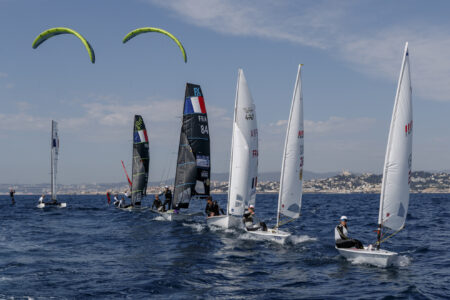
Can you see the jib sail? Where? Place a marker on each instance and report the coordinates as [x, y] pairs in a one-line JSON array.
[[193, 163], [141, 161]]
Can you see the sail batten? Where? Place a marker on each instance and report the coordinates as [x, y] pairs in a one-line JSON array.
[[244, 151], [141, 161], [193, 168], [394, 197], [291, 179]]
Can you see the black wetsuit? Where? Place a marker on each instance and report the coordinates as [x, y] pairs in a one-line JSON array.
[[11, 194], [345, 241], [157, 204], [168, 199], [248, 218], [212, 208]]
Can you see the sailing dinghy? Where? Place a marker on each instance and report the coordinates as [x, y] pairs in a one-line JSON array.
[[394, 197], [291, 179], [193, 171], [244, 159], [54, 149]]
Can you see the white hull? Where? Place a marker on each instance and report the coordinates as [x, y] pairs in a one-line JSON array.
[[46, 205], [224, 221], [272, 234], [381, 258], [171, 215]]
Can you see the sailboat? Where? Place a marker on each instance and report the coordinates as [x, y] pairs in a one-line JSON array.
[[140, 163], [244, 159], [54, 149], [394, 197], [193, 171], [291, 179]]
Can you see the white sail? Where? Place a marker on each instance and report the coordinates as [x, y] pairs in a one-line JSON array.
[[291, 180], [394, 196], [244, 151], [54, 157]]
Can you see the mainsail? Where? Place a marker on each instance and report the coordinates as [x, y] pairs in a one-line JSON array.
[[54, 158], [192, 176], [141, 161], [394, 196], [291, 180], [244, 151]]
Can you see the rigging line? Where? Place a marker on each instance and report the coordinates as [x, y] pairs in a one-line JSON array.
[[288, 221], [388, 237]]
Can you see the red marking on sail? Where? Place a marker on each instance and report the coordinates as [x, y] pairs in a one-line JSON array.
[[108, 197], [123, 165]]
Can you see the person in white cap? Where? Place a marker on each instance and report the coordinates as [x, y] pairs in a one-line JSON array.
[[250, 221], [341, 236]]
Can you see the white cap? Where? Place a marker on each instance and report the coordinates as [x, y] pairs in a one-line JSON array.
[[343, 218], [166, 187], [251, 206]]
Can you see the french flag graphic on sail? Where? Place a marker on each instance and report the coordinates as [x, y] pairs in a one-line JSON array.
[[194, 105], [140, 136]]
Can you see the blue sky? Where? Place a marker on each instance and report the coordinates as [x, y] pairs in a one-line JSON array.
[[351, 51]]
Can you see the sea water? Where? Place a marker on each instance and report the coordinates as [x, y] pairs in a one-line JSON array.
[[92, 250]]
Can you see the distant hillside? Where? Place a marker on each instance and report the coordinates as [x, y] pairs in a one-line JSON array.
[[275, 176]]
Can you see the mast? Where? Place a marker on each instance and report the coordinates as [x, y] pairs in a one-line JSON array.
[[193, 172], [54, 144], [232, 143], [394, 196], [291, 178]]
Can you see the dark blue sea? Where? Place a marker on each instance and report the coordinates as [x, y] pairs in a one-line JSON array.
[[90, 250]]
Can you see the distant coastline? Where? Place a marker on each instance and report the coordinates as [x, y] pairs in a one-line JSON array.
[[344, 183]]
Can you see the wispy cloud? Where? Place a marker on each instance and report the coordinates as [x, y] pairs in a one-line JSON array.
[[332, 26]]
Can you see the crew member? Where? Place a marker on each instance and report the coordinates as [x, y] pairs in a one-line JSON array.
[[116, 199], [157, 204], [41, 200], [11, 194], [341, 236], [167, 198], [212, 208], [250, 221]]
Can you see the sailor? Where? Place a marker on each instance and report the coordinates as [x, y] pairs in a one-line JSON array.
[[116, 199], [11, 194], [341, 236], [41, 200], [127, 194], [167, 198], [121, 203], [157, 204], [250, 220], [212, 208]]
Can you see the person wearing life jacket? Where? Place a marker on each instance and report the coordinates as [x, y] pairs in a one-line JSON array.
[[116, 199], [250, 221], [157, 204], [212, 208], [122, 203], [341, 236], [167, 198]]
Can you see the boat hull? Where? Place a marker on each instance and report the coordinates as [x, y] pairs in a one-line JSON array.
[[271, 235], [171, 215], [48, 205], [375, 257], [224, 221]]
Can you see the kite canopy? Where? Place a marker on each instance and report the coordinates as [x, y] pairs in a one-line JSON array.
[[138, 31], [45, 35]]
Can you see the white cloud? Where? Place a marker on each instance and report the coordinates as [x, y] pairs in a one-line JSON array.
[[339, 124], [333, 26]]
